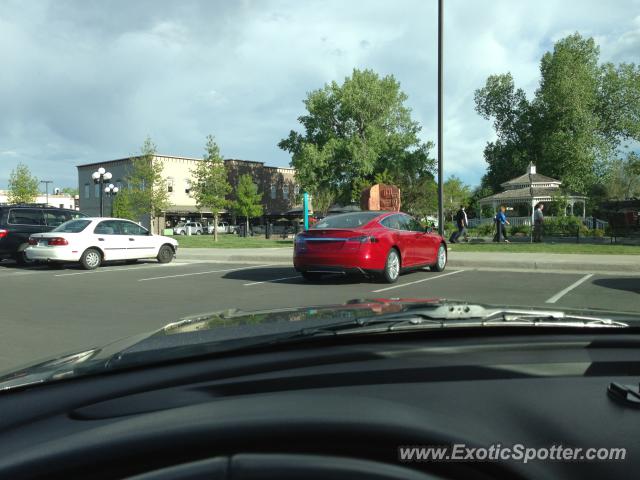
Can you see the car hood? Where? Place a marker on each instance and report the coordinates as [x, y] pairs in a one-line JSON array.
[[219, 332]]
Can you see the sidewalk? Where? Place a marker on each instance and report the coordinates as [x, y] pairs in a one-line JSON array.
[[490, 260]]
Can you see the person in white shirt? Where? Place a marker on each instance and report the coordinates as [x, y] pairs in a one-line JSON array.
[[538, 222]]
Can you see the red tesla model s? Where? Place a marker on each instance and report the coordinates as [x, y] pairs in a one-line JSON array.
[[379, 244]]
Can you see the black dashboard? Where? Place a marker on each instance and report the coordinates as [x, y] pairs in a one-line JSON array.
[[335, 410]]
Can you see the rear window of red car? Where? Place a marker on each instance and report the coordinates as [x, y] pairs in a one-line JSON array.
[[346, 220]]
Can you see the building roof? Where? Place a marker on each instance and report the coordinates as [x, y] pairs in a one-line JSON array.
[[530, 178]]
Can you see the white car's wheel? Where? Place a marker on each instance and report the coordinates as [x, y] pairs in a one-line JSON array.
[[91, 259], [165, 254]]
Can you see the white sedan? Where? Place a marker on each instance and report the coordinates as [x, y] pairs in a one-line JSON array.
[[92, 241]]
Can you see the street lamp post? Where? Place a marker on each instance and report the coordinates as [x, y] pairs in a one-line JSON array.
[[440, 118], [46, 186], [111, 191], [99, 177]]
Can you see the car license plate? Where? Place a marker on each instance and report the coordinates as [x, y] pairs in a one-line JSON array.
[[43, 243]]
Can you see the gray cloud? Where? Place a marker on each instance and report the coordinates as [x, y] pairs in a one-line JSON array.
[[87, 81]]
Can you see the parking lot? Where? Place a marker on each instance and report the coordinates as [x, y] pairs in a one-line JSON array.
[[47, 312]]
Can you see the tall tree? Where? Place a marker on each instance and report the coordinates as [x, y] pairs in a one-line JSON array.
[[623, 180], [571, 129], [71, 191], [23, 187], [455, 193], [353, 132], [211, 186], [248, 202], [146, 192]]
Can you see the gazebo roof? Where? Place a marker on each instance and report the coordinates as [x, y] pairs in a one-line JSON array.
[[530, 178], [527, 193]]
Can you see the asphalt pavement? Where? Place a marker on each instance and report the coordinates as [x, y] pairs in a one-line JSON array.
[[45, 312]]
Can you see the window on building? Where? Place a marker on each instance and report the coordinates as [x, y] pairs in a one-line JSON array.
[[169, 184], [187, 186], [296, 190], [273, 192], [86, 190], [96, 190], [285, 192]]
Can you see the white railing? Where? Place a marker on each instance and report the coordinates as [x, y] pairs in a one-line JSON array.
[[516, 221]]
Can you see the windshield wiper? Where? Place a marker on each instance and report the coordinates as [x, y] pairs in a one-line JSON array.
[[451, 315]]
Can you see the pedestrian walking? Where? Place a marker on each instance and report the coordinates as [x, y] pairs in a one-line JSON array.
[[462, 222], [501, 223], [538, 223]]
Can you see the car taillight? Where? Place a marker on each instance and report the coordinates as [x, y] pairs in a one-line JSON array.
[[57, 241], [362, 239], [33, 241], [3, 233]]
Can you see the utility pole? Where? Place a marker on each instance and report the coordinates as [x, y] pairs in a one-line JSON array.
[[46, 186], [440, 119]]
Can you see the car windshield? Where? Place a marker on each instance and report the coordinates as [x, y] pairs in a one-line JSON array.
[[72, 226], [257, 165], [347, 220]]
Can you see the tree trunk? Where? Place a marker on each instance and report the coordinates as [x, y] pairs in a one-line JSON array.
[[215, 227], [246, 232]]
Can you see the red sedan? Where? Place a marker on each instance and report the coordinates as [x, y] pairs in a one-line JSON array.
[[381, 244]]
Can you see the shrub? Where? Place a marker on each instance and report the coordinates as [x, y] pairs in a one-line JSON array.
[[483, 230], [524, 229], [598, 232], [562, 225]]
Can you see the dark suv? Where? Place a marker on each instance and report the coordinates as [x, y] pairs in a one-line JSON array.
[[17, 222]]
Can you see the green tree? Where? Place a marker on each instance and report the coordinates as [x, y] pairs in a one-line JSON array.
[[354, 132], [571, 129], [146, 193], [623, 179], [211, 185], [23, 187], [71, 191], [248, 202], [455, 193]]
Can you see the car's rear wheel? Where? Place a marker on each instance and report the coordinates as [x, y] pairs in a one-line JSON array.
[[91, 259], [22, 259], [392, 266], [165, 254], [198, 232], [183, 232], [311, 276], [441, 259]]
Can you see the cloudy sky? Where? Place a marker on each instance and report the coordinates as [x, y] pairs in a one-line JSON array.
[[84, 81]]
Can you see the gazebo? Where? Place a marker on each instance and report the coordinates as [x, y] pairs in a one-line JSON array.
[[530, 189]]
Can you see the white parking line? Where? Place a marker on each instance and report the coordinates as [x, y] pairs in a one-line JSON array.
[[116, 269], [270, 281], [202, 273], [562, 293], [417, 281]]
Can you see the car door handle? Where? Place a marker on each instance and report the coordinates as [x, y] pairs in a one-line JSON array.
[[132, 239], [101, 239]]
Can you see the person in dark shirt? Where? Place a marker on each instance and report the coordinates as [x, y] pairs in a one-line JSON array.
[[462, 222]]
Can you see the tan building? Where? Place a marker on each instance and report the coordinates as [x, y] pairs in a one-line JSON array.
[[277, 185], [56, 200]]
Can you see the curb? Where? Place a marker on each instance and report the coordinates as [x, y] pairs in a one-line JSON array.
[[489, 264]]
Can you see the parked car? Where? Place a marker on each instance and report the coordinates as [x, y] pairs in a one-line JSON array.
[[93, 241], [181, 228], [380, 244], [223, 227], [18, 222]]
